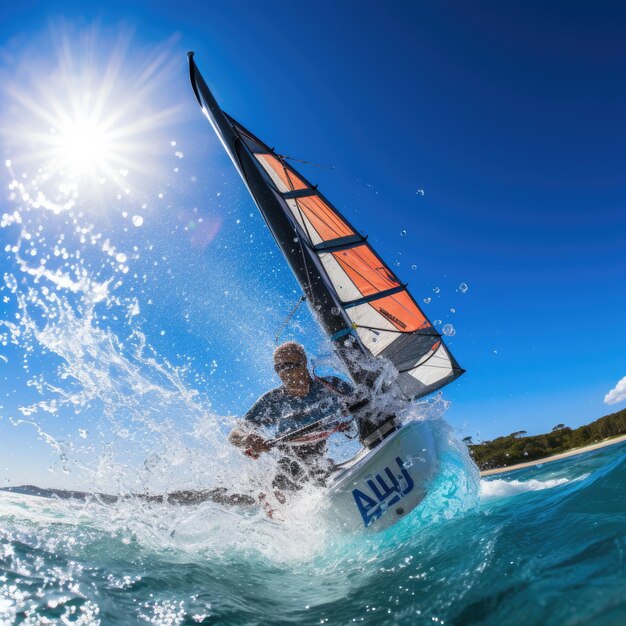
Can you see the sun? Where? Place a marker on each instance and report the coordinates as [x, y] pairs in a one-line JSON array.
[[84, 146], [88, 114]]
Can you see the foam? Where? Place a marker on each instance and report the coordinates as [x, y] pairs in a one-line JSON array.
[[501, 488]]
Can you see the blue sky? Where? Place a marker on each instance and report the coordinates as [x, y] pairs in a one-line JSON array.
[[509, 116]]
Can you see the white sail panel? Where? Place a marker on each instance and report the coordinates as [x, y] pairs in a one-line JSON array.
[[303, 221], [433, 368], [375, 331], [346, 289], [376, 340]]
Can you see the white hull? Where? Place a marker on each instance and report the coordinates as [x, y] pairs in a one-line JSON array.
[[383, 486]]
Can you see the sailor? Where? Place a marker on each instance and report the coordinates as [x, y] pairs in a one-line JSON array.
[[301, 400]]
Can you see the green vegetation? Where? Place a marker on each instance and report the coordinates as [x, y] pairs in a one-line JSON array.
[[515, 448]]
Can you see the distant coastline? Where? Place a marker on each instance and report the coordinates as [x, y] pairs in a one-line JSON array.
[[555, 457], [519, 450]]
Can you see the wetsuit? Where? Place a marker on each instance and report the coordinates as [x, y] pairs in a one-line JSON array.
[[284, 413]]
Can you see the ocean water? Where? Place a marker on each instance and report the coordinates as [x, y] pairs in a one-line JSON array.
[[544, 545]]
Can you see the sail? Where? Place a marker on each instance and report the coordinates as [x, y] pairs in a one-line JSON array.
[[355, 296]]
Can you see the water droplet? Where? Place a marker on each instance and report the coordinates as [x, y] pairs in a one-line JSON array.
[[396, 263], [137, 220], [448, 330], [295, 240], [413, 267], [403, 233], [495, 352], [463, 287], [419, 192], [453, 310], [437, 322], [436, 290], [427, 300], [335, 310]]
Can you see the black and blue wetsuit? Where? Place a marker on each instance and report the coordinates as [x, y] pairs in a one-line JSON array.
[[282, 412]]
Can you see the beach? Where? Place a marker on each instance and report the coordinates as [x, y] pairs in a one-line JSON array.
[[555, 457]]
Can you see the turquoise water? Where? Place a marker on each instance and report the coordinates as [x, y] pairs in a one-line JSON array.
[[544, 545]]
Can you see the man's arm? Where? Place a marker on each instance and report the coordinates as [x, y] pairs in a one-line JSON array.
[[245, 434]]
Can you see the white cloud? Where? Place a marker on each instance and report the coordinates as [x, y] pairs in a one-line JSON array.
[[617, 394]]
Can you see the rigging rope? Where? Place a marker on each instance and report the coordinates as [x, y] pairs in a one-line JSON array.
[[291, 314], [327, 167]]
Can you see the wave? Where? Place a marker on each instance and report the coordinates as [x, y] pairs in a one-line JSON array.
[[501, 488]]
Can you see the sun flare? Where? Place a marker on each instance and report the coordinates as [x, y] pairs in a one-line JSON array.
[[87, 115], [85, 148]]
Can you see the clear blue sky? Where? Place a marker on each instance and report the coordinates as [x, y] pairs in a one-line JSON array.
[[511, 117]]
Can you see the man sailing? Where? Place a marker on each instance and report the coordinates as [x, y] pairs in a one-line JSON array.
[[300, 401]]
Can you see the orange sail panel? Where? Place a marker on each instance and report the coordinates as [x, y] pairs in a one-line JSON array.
[[365, 270], [318, 220], [402, 312], [283, 177]]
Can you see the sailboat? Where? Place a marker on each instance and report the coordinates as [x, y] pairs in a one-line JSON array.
[[371, 319]]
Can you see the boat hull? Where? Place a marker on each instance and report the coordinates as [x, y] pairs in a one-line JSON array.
[[386, 484]]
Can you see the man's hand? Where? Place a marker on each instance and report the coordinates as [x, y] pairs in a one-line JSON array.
[[255, 446], [243, 436], [239, 434]]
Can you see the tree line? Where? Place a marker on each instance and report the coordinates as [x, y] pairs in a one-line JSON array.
[[518, 448]]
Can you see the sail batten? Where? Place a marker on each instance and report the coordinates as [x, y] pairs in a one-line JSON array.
[[372, 297], [356, 297], [299, 193], [341, 243]]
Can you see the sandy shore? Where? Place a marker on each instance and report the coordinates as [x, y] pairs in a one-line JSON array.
[[556, 457]]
